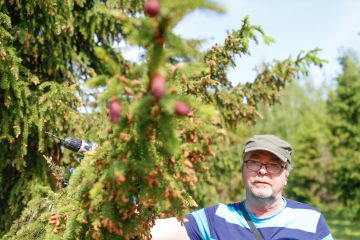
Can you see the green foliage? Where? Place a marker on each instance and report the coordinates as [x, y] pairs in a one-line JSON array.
[[241, 102], [151, 160], [343, 109], [46, 47]]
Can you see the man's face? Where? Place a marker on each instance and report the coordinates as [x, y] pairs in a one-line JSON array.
[[262, 184]]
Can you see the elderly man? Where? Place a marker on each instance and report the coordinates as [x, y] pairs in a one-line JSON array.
[[264, 214]]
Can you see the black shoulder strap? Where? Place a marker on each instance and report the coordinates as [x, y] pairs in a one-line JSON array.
[[250, 223]]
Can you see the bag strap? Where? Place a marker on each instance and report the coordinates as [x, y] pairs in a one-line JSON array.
[[254, 230]]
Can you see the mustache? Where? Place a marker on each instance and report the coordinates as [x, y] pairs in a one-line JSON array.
[[257, 179]]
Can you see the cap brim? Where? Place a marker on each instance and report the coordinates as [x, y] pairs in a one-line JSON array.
[[281, 157]]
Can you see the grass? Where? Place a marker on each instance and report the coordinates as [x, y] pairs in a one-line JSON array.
[[342, 228]]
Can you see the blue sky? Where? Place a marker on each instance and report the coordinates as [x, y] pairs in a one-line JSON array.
[[331, 25]]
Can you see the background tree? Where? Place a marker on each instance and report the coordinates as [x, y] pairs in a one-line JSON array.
[[167, 114], [343, 109]]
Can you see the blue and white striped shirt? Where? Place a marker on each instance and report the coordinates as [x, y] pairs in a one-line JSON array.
[[226, 222]]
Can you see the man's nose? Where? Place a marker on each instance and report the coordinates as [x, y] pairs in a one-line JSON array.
[[263, 170]]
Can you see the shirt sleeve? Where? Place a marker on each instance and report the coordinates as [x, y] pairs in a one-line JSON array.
[[322, 230], [197, 226]]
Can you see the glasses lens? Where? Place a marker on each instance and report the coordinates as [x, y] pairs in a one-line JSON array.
[[271, 168], [253, 165]]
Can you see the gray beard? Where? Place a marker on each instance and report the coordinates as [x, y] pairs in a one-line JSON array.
[[250, 195]]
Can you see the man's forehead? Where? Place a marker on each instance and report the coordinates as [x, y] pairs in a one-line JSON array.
[[262, 154]]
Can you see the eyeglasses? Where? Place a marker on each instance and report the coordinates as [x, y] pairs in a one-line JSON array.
[[272, 168]]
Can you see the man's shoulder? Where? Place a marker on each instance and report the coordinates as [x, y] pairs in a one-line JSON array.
[[310, 219], [214, 208], [218, 208], [290, 203]]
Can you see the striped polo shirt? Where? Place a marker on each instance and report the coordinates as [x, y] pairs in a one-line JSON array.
[[226, 222]]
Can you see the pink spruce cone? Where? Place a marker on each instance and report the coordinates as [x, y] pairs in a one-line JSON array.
[[158, 86], [182, 108], [114, 108], [152, 8]]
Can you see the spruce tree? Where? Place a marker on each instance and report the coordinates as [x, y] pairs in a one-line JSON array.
[[47, 49], [157, 121], [343, 109]]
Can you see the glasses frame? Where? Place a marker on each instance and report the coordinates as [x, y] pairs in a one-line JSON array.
[[282, 166]]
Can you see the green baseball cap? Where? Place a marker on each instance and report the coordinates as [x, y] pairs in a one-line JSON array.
[[270, 143]]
